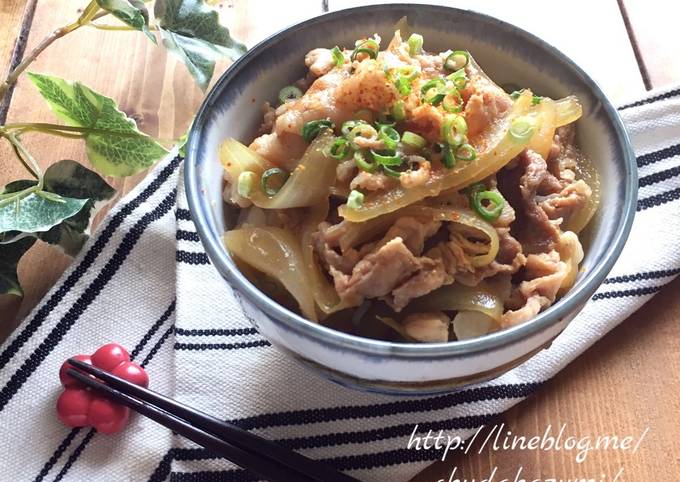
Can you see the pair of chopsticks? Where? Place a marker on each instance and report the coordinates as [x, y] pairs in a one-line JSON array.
[[263, 457]]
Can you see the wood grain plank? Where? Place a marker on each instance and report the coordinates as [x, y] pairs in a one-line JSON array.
[[627, 382], [609, 60], [11, 14], [655, 30], [13, 46], [255, 20], [149, 85]]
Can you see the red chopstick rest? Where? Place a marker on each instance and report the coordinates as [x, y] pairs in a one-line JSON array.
[[78, 406]]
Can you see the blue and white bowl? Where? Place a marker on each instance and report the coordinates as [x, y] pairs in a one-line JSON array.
[[509, 55]]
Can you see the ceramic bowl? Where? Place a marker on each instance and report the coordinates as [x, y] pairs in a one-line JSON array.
[[509, 55]]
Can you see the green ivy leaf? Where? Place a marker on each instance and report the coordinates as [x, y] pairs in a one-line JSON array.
[[182, 143], [36, 213], [130, 12], [184, 140], [114, 144], [63, 181], [192, 31], [71, 234], [9, 258], [69, 178]]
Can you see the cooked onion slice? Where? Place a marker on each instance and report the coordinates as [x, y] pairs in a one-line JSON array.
[[472, 324], [458, 297], [567, 110], [275, 252], [307, 185], [579, 220], [325, 296], [545, 119]]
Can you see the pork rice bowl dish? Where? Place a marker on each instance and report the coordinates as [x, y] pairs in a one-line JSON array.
[[400, 194]]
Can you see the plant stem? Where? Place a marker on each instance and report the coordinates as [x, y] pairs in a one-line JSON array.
[[61, 129], [43, 126], [23, 162], [51, 132], [46, 128], [90, 13], [25, 157], [118, 27]]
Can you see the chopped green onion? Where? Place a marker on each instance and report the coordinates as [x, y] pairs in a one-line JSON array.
[[456, 60], [400, 169], [371, 53], [466, 153], [403, 76], [415, 44], [386, 159], [368, 43], [369, 47], [536, 99], [516, 93], [246, 183], [409, 71], [363, 130], [289, 92], [434, 98], [454, 129], [453, 101], [389, 136], [349, 125], [339, 149], [438, 82], [355, 199], [399, 110], [521, 129], [269, 173], [459, 79], [362, 163], [338, 57], [488, 204], [391, 172], [403, 85], [448, 159], [432, 91], [311, 129], [460, 125], [412, 139]]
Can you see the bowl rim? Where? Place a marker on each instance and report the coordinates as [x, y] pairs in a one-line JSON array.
[[574, 299]]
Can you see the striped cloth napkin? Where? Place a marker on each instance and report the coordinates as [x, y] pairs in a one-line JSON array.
[[143, 280]]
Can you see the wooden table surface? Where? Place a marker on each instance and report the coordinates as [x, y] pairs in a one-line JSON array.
[[626, 383]]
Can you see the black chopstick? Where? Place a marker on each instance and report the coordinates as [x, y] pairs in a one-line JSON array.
[[260, 465], [253, 452], [314, 470]]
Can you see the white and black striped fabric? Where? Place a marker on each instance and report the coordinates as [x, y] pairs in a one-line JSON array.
[[144, 281]]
